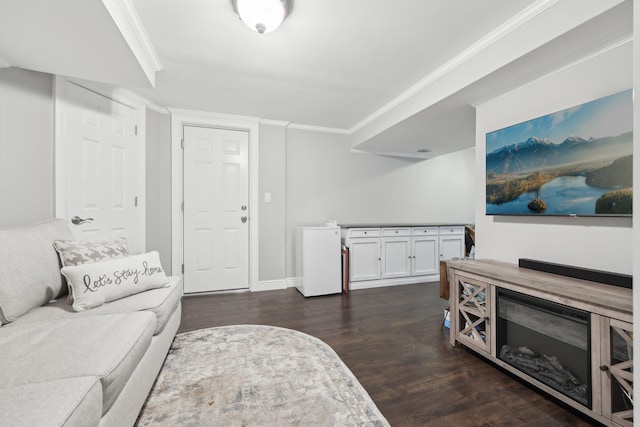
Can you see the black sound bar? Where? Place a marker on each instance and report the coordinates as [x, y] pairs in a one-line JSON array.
[[615, 279]]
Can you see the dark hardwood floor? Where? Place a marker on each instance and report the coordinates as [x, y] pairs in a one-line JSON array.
[[391, 340]]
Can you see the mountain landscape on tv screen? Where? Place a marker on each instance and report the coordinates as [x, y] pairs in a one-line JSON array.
[[577, 176]]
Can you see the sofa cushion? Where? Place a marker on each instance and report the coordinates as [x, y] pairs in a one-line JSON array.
[[76, 252], [68, 402], [106, 346], [91, 285], [30, 269], [162, 302]]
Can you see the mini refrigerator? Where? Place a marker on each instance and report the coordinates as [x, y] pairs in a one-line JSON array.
[[318, 260]]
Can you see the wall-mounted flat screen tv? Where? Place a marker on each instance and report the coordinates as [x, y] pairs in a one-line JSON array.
[[575, 162]]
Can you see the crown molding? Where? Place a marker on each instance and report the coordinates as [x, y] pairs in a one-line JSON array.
[[158, 108], [206, 115], [128, 22], [502, 31], [311, 128], [269, 122], [401, 154]]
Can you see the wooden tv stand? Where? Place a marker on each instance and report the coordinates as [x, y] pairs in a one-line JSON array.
[[474, 286]]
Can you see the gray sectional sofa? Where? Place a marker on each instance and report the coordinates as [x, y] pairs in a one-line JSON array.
[[60, 367]]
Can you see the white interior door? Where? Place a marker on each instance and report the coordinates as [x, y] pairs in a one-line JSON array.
[[216, 214], [99, 165]]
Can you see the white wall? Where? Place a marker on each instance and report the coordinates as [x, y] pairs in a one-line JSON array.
[[599, 243], [325, 180], [158, 186], [26, 147]]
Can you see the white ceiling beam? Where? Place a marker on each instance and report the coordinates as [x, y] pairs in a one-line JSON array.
[[128, 22], [507, 43], [99, 40]]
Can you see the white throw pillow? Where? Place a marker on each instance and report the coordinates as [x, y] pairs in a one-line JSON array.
[[91, 285]]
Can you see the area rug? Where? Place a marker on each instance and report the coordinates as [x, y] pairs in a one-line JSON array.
[[250, 375]]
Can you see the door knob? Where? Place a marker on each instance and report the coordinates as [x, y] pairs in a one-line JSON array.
[[243, 219], [77, 220]]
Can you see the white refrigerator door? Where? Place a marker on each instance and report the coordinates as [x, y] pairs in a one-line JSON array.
[[320, 261]]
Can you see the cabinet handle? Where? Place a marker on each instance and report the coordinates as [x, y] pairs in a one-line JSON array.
[[604, 368]]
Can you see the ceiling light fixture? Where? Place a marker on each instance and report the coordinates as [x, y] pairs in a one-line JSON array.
[[262, 16]]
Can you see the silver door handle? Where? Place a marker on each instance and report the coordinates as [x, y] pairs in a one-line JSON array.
[[243, 219], [77, 220]]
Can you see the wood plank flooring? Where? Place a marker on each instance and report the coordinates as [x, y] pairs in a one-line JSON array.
[[391, 340]]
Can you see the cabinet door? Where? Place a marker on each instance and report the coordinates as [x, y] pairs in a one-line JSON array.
[[617, 371], [396, 257], [451, 247], [364, 259], [472, 310], [424, 254]]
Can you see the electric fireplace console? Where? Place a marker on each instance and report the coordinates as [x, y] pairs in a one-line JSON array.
[[571, 338]]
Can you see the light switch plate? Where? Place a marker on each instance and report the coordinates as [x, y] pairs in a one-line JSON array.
[[267, 197]]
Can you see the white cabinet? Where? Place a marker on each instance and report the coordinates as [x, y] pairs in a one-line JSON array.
[[424, 251], [396, 252], [364, 253], [451, 243], [400, 255]]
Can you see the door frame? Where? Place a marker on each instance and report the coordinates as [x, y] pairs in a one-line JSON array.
[[121, 96], [181, 118]]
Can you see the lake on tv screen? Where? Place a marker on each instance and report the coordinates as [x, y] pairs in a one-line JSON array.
[[565, 195]]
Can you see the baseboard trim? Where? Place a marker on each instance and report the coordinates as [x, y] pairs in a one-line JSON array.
[[380, 283], [271, 285], [290, 282]]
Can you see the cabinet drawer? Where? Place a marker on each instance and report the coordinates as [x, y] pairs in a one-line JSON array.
[[424, 231], [364, 232], [394, 232], [452, 230]]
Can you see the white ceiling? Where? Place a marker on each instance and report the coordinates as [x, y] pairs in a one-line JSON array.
[[331, 64], [395, 76]]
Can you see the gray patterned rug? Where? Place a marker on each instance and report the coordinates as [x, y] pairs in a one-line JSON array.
[[256, 376]]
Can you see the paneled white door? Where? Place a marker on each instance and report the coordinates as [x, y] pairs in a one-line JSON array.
[[99, 166], [425, 255], [396, 253], [216, 213]]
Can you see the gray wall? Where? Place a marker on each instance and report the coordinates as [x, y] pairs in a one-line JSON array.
[[158, 186], [325, 180], [26, 147], [598, 243], [272, 224]]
